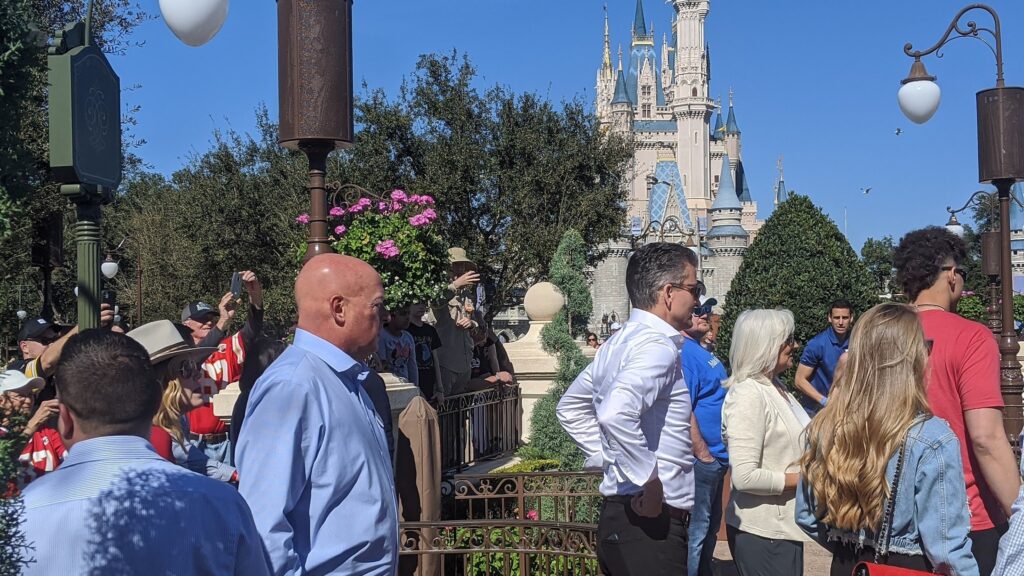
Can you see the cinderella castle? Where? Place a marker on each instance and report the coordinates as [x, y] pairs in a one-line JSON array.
[[686, 182]]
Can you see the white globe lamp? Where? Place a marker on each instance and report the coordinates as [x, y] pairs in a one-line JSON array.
[[21, 314], [954, 226], [194, 22], [919, 95], [109, 267]]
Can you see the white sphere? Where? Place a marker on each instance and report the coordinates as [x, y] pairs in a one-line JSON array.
[[543, 301], [957, 229], [76, 291], [919, 100], [109, 268], [194, 22], [22, 314]]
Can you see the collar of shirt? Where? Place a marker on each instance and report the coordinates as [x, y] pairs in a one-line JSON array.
[[833, 337], [335, 357], [109, 448], [657, 324]]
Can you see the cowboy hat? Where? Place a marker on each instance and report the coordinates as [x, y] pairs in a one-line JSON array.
[[163, 340], [456, 255], [17, 382]]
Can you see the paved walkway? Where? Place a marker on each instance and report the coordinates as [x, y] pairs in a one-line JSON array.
[[817, 560]]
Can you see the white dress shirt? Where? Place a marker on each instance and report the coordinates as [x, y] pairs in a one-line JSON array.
[[629, 411]]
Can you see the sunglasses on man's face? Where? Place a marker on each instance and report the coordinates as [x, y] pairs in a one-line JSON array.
[[697, 290], [956, 269]]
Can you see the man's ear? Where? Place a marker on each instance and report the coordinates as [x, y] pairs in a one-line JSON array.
[[338, 310], [65, 423]]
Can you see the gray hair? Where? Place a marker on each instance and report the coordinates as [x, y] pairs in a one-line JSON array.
[[653, 266], [757, 337]]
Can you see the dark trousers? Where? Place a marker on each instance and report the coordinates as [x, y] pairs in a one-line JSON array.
[[757, 556], [985, 546], [846, 557], [628, 544]]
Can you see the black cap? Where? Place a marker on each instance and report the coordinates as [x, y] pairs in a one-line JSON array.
[[33, 328], [197, 309]]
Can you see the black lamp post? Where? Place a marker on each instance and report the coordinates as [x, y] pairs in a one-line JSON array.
[[1000, 163]]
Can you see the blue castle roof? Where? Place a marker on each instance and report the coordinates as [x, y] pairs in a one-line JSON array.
[[731, 127], [726, 199], [621, 95], [639, 27], [741, 183]]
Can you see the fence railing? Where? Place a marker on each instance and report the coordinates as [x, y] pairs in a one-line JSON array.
[[479, 426], [542, 523]]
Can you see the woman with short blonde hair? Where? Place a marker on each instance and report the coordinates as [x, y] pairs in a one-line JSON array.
[[877, 422], [762, 425]]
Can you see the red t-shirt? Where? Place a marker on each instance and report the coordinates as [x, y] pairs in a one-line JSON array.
[[964, 375], [161, 442], [223, 367], [43, 453]]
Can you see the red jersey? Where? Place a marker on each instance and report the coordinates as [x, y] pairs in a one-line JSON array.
[[161, 442], [964, 375], [43, 453], [223, 367]]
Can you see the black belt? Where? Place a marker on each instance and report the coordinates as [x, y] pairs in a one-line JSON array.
[[209, 438], [673, 512]]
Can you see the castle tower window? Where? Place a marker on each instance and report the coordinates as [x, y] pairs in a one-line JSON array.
[[645, 111], [646, 91]]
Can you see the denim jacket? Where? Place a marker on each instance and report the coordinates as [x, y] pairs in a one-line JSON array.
[[931, 515]]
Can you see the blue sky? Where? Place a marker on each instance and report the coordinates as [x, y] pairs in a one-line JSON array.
[[815, 82]]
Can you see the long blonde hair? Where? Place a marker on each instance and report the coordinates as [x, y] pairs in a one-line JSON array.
[[873, 402], [168, 417]]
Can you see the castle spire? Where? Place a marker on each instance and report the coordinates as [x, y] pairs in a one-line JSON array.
[[726, 198], [781, 194], [620, 57], [639, 27], [731, 127], [606, 63]]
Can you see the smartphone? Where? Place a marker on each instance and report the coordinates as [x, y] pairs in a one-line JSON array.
[[110, 298], [236, 284]]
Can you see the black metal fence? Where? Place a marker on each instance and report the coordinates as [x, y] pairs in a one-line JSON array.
[[479, 426]]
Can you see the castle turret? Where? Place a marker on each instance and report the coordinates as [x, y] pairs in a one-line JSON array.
[[781, 194], [732, 132], [725, 214], [622, 107], [605, 79]]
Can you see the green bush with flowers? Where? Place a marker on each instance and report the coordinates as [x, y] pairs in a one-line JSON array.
[[396, 235]]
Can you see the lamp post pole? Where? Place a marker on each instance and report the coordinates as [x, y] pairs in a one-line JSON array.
[[1000, 163]]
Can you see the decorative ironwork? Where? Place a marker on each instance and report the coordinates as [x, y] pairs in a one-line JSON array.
[[546, 496], [970, 31], [479, 426]]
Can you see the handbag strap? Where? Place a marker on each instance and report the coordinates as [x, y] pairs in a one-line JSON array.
[[885, 532]]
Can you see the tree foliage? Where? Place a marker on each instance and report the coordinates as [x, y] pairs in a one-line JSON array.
[[877, 257], [548, 440], [802, 262]]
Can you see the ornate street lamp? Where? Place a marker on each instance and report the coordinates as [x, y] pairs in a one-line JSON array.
[[314, 69], [1000, 163], [85, 145]]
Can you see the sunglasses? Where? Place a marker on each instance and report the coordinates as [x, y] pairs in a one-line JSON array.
[[697, 290], [702, 310], [960, 271], [188, 369]]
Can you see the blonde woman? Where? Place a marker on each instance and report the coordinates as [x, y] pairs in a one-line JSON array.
[[762, 425], [176, 362], [878, 412]]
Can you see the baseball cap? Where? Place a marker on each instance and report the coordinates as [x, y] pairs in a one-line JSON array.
[[197, 309], [33, 328], [614, 327], [706, 306], [16, 381]]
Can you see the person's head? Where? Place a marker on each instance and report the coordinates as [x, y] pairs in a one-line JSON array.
[[928, 261], [459, 263], [17, 391], [258, 357], [417, 311], [341, 299], [701, 323], [199, 317], [106, 387], [35, 335], [177, 366], [399, 319], [592, 340], [840, 317], [875, 398], [661, 278], [762, 344]]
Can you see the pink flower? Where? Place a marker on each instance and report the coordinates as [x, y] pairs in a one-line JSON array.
[[429, 214], [414, 199], [532, 515], [382, 207], [396, 206], [399, 195], [339, 230], [426, 200], [418, 221], [387, 249], [337, 212], [359, 206], [302, 218]]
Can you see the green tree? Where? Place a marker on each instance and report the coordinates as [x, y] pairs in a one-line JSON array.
[[802, 262], [548, 440], [877, 257]]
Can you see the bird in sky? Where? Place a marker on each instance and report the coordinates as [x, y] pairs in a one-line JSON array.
[[866, 190], [898, 131]]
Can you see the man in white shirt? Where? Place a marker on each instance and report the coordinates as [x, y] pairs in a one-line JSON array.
[[629, 411]]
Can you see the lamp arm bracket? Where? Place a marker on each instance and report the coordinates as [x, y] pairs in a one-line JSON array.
[[968, 30], [974, 199]]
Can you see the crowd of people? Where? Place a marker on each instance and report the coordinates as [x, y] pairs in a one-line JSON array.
[[124, 454], [894, 453]]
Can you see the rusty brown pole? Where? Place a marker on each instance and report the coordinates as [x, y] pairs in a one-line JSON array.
[[315, 88]]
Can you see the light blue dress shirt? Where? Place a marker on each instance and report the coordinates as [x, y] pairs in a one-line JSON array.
[[115, 506], [314, 466]]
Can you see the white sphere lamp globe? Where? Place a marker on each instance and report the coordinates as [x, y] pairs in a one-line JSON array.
[[194, 22], [21, 314], [919, 95], [76, 291], [954, 226], [109, 268]]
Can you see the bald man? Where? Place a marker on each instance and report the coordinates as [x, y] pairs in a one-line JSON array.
[[312, 456]]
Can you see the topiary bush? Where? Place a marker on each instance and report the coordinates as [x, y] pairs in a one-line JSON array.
[[802, 262]]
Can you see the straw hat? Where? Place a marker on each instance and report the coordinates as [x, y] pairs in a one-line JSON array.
[[163, 340], [457, 255]]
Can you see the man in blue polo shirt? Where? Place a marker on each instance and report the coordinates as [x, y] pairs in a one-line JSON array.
[[704, 374], [821, 355]]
